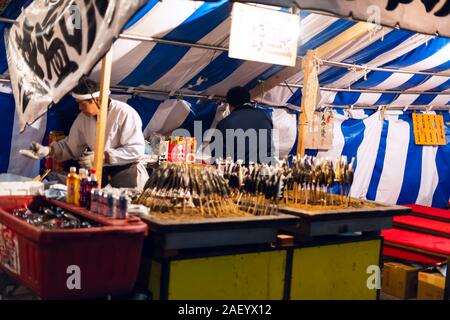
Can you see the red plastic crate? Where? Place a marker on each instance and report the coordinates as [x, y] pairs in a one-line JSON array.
[[108, 256]]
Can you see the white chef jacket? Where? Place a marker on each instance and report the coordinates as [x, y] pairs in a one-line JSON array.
[[124, 141]]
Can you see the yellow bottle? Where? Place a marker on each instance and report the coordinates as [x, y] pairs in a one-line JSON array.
[[73, 186]]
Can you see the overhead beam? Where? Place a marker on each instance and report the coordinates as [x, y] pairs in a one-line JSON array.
[[369, 68], [178, 94], [388, 106], [276, 3], [126, 36], [294, 85], [6, 20]]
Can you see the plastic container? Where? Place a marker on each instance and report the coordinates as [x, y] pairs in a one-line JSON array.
[[28, 188], [73, 187], [46, 261]]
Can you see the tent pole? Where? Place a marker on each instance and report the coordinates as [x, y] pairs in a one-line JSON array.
[[138, 90], [311, 83], [391, 107], [102, 116], [369, 68], [172, 42], [6, 20]]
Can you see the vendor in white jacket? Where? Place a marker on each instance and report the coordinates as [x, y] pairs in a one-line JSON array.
[[124, 146]]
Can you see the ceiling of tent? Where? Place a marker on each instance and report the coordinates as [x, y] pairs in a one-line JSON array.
[[170, 68]]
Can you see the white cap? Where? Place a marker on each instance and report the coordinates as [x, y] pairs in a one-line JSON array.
[[87, 96]]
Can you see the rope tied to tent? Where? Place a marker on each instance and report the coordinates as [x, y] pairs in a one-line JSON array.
[[318, 62], [365, 71], [354, 69]]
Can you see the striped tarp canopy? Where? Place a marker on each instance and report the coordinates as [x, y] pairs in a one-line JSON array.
[[390, 167]]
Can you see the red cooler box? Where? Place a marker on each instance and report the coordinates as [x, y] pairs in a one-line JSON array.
[[48, 262]]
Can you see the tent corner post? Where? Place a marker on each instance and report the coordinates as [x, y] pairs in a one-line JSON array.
[[102, 116], [309, 99]]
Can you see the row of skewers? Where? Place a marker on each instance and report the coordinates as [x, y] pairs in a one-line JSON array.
[[184, 188], [312, 181], [257, 189], [308, 181]]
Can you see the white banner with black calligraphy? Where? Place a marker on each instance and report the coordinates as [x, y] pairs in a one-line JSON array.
[[54, 43], [423, 16]]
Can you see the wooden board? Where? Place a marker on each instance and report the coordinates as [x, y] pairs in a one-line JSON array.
[[216, 232], [376, 210], [102, 116]]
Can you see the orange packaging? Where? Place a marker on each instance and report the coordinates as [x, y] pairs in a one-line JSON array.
[[177, 149], [191, 145]]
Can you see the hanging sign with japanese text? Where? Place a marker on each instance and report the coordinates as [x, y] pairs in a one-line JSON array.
[[429, 129], [54, 43], [320, 131]]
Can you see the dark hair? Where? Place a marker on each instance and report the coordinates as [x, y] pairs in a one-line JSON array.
[[86, 86], [238, 96]]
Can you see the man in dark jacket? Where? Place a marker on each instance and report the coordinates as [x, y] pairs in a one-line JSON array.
[[247, 131]]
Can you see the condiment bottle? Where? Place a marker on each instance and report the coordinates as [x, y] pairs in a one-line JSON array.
[[73, 183]]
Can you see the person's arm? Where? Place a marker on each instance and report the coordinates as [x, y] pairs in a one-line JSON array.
[[72, 146], [132, 143]]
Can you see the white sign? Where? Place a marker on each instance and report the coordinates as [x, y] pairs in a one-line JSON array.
[[54, 43], [264, 35]]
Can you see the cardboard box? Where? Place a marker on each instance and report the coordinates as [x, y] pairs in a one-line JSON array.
[[431, 286], [400, 280]]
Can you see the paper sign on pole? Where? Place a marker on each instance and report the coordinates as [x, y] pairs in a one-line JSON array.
[[320, 131], [264, 35]]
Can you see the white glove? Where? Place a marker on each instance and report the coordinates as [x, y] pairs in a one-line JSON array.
[[36, 151], [86, 161]]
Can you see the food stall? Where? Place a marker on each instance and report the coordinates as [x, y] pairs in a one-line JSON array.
[[343, 104]]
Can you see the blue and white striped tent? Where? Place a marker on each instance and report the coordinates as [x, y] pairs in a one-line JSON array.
[[390, 167]]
